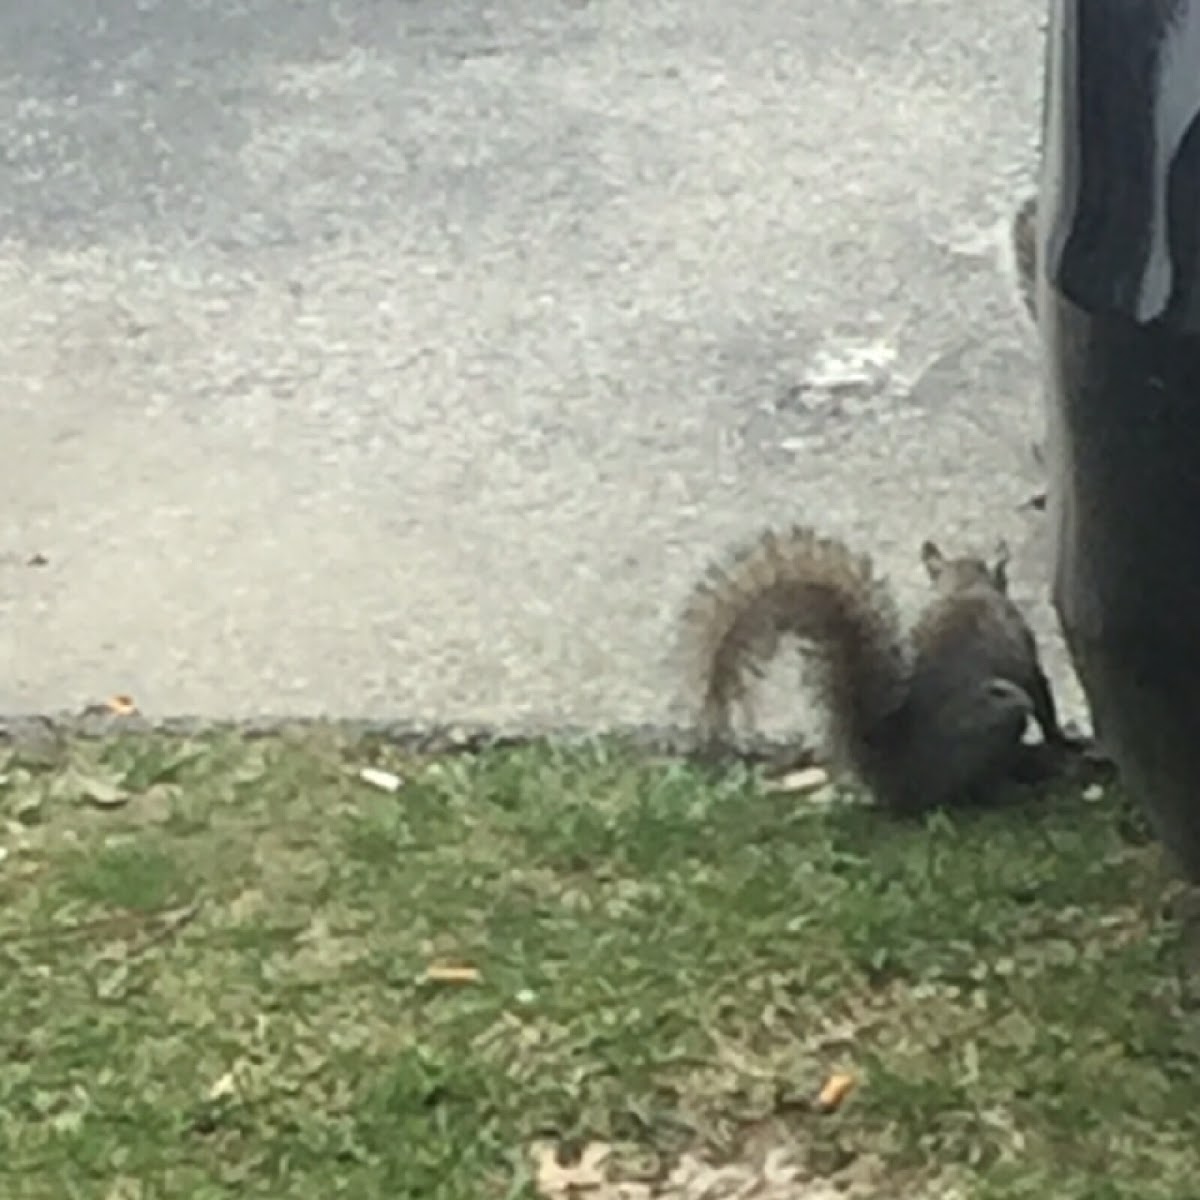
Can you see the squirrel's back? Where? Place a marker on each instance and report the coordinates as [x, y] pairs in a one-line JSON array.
[[972, 629]]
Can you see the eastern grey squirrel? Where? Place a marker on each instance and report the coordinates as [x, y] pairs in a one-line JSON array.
[[925, 720]]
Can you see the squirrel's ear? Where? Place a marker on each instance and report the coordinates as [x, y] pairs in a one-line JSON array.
[[933, 559], [1000, 567]]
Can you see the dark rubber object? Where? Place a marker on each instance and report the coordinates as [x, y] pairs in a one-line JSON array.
[[1119, 307]]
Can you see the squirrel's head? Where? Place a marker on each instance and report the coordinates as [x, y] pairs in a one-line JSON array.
[[954, 574]]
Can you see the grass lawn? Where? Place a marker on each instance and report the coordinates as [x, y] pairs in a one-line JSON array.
[[231, 967]]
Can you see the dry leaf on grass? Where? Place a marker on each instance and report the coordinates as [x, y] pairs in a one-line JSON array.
[[807, 779], [385, 781], [834, 1091], [558, 1181], [103, 793], [778, 1175], [95, 786], [450, 973], [119, 704], [223, 1087]]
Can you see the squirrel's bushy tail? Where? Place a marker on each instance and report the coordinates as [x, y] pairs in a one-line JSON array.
[[796, 582]]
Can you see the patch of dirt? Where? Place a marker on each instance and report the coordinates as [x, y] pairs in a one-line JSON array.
[[775, 1174]]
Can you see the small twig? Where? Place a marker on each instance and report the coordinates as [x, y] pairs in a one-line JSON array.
[[170, 926]]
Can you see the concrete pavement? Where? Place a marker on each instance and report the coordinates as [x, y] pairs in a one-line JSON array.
[[407, 360]]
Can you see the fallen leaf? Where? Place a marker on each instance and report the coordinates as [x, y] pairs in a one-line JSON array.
[[446, 973], [112, 985], [386, 781], [92, 785], [246, 905], [225, 1086], [834, 1092], [103, 793], [808, 779], [558, 1180]]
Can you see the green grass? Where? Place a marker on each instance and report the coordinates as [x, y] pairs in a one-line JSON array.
[[213, 980]]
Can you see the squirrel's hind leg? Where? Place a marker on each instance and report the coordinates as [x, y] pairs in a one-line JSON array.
[[982, 738]]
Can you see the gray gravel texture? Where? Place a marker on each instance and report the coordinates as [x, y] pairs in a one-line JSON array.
[[401, 360]]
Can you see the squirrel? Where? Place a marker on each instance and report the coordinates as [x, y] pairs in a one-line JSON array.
[[927, 720]]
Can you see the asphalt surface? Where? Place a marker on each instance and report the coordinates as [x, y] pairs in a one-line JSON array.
[[387, 359]]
